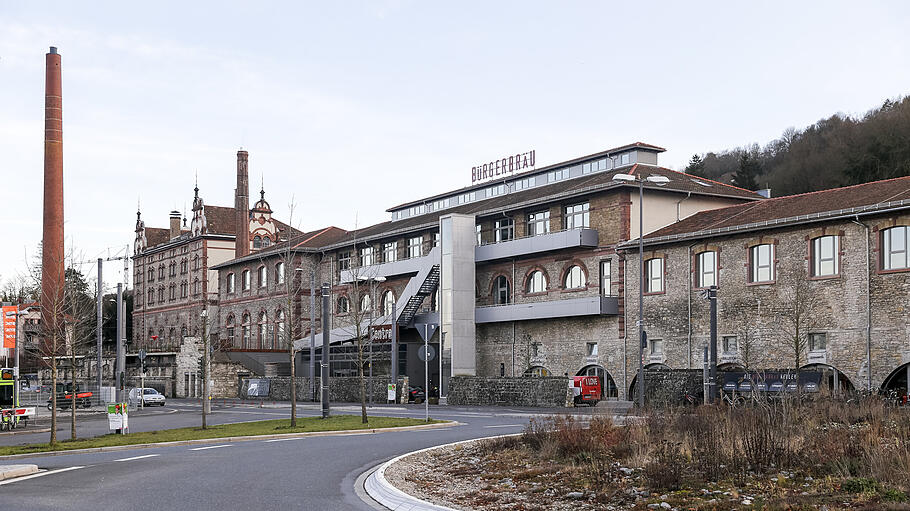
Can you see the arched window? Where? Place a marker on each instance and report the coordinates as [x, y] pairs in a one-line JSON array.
[[279, 273], [343, 305], [279, 330], [151, 275], [501, 290], [537, 282], [151, 298], [230, 283], [246, 280], [196, 262], [257, 241], [896, 248], [263, 276], [196, 287], [706, 269], [266, 241], [245, 331], [388, 300], [230, 331], [261, 329], [365, 303], [575, 278], [160, 272], [825, 256], [183, 265], [183, 289]]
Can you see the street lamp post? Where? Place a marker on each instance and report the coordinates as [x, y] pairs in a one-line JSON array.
[[658, 180], [372, 281]]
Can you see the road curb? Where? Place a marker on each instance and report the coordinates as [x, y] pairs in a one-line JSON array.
[[388, 495], [11, 471], [232, 439]]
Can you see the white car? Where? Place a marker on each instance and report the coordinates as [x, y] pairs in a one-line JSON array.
[[148, 397]]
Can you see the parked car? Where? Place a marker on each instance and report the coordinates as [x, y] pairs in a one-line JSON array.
[[416, 395], [146, 397]]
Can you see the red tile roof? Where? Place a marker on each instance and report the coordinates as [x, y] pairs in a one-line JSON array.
[[790, 207]]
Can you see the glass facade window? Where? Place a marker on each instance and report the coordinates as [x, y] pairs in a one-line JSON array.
[[442, 204], [706, 269], [505, 230], [366, 256], [578, 216], [605, 279], [625, 159], [729, 344], [654, 275], [415, 247], [762, 258], [575, 278], [537, 282], [344, 260], [230, 330], [539, 223], [818, 342], [895, 253], [390, 252], [824, 256], [279, 327], [501, 291]]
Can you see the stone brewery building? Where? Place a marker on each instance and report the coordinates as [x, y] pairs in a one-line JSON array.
[[535, 273]]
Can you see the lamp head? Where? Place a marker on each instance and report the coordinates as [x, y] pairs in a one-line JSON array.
[[658, 180], [623, 177]]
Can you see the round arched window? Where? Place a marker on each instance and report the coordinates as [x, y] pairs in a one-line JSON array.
[[537, 282], [575, 278], [388, 300]]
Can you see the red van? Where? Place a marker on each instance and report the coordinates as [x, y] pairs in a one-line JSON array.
[[586, 389]]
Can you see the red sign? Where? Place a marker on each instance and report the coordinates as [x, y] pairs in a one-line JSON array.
[[9, 326], [503, 166]]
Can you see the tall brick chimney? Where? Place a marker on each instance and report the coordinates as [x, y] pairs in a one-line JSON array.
[[175, 224], [242, 206], [52, 259]]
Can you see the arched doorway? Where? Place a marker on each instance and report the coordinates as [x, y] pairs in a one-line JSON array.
[[897, 381], [608, 388], [833, 379]]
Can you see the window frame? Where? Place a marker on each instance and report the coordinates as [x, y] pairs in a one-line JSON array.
[[816, 261], [541, 218], [701, 275], [386, 305], [570, 274], [530, 280], [650, 278], [606, 277], [390, 252], [811, 338], [887, 249], [246, 280], [262, 276], [367, 256], [755, 267], [230, 283], [504, 229], [344, 260], [574, 212], [725, 345], [498, 289], [415, 247], [342, 300], [280, 272]]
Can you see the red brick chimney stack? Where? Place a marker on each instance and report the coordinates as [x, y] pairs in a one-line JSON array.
[[242, 205], [175, 224], [52, 259]]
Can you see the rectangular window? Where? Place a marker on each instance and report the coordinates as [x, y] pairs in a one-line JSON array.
[[478, 230], [230, 283], [505, 230], [707, 269], [366, 256], [625, 159], [729, 344], [415, 246], [818, 342], [762, 263], [467, 197], [657, 346], [246, 280], [523, 184], [895, 253], [824, 256], [344, 260], [390, 252], [441, 204], [263, 276], [539, 223], [654, 275], [605, 282], [578, 216], [496, 190], [435, 239], [591, 349], [557, 175]]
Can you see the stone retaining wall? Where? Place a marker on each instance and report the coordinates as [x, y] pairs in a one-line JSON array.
[[667, 387], [536, 391], [341, 389]]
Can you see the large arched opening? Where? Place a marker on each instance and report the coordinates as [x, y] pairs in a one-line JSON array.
[[897, 381], [833, 380], [608, 389]]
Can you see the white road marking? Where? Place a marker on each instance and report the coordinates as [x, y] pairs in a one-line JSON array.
[[505, 426], [138, 457], [283, 439], [211, 447], [39, 474]]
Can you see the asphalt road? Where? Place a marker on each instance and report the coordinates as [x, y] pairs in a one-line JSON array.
[[316, 473]]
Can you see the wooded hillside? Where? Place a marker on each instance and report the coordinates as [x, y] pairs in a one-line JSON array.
[[833, 152]]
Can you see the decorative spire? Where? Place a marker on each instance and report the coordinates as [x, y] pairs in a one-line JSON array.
[[196, 190], [262, 187]]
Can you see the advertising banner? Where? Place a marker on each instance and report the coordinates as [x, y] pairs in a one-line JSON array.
[[118, 416], [9, 326], [392, 393]]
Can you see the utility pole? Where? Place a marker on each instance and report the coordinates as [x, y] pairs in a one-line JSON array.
[[393, 370], [712, 297], [98, 320], [120, 375], [324, 379], [313, 335], [206, 405]]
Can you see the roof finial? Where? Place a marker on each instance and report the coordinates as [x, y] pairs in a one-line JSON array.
[[196, 190], [262, 187]]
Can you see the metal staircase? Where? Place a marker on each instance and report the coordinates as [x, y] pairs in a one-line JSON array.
[[419, 288]]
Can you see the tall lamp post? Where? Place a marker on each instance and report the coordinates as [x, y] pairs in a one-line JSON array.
[[660, 181], [372, 281]]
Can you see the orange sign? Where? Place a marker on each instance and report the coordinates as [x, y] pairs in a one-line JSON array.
[[9, 326]]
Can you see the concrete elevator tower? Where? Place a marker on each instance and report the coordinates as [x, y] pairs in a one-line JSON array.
[[52, 258]]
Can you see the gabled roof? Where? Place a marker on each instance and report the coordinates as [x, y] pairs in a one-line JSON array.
[[793, 209], [302, 241], [524, 199]]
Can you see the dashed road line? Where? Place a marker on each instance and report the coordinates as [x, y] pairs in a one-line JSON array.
[[138, 457], [39, 474], [282, 440], [211, 447]]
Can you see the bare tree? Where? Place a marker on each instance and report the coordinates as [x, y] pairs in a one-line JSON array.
[[796, 317]]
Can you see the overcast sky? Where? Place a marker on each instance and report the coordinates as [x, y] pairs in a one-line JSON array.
[[349, 108]]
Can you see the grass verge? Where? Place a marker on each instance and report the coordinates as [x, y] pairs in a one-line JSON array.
[[269, 427]]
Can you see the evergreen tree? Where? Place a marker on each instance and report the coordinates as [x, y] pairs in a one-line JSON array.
[[696, 166], [748, 172]]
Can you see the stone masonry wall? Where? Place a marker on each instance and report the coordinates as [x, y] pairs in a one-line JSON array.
[[341, 389], [537, 392]]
